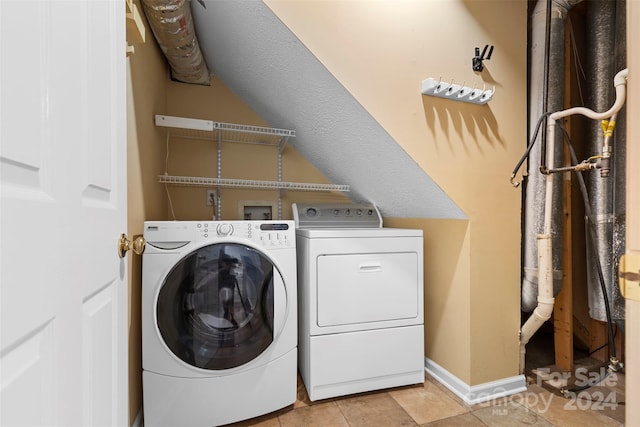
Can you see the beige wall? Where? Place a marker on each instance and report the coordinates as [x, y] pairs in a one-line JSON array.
[[242, 161], [381, 51], [447, 297], [146, 94]]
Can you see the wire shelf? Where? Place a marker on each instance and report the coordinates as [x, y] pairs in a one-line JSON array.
[[218, 132], [249, 183], [225, 132]]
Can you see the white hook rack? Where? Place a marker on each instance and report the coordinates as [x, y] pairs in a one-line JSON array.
[[456, 92]]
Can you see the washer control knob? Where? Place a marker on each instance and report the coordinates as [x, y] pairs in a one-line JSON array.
[[224, 229], [311, 212]]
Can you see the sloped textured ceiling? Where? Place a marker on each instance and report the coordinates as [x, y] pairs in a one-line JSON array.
[[252, 52]]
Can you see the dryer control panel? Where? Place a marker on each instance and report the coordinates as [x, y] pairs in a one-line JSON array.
[[337, 215]]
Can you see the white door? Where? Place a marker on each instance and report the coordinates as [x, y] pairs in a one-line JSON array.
[[64, 312]]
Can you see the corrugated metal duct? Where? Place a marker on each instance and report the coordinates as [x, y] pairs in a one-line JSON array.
[[172, 26], [545, 95], [605, 56]]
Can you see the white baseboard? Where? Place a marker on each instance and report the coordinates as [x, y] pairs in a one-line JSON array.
[[138, 421], [472, 395]]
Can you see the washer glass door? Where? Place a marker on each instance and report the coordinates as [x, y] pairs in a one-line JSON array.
[[215, 308]]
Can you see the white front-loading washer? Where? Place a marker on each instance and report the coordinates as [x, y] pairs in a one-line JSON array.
[[360, 290], [219, 321]]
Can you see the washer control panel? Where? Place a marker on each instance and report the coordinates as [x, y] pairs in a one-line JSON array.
[[336, 216], [174, 234], [266, 233]]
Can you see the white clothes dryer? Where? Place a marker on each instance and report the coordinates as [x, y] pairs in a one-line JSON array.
[[360, 290], [219, 321]]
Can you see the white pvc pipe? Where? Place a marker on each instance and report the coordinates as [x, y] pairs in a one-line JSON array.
[[544, 309], [619, 82]]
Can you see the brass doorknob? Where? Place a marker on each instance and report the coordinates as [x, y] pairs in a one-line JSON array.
[[125, 244]]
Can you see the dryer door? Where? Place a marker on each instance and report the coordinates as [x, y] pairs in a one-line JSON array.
[[215, 309], [367, 288]]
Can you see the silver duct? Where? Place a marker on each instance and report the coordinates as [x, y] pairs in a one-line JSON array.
[[620, 172], [536, 182], [607, 194], [172, 26]]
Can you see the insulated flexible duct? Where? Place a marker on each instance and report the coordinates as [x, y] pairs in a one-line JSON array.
[[172, 26], [620, 171], [535, 183], [606, 193]]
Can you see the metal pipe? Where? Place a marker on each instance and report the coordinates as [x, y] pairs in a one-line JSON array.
[[603, 20], [619, 173], [545, 251], [539, 104], [599, 68]]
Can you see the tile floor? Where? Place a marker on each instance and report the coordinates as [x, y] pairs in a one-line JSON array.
[[431, 404]]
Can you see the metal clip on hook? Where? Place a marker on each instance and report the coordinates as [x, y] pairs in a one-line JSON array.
[[476, 61], [438, 86], [453, 89]]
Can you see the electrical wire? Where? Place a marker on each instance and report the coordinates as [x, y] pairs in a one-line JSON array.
[[166, 172], [532, 142], [605, 344], [593, 236], [594, 241], [589, 384], [577, 62], [173, 214]]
